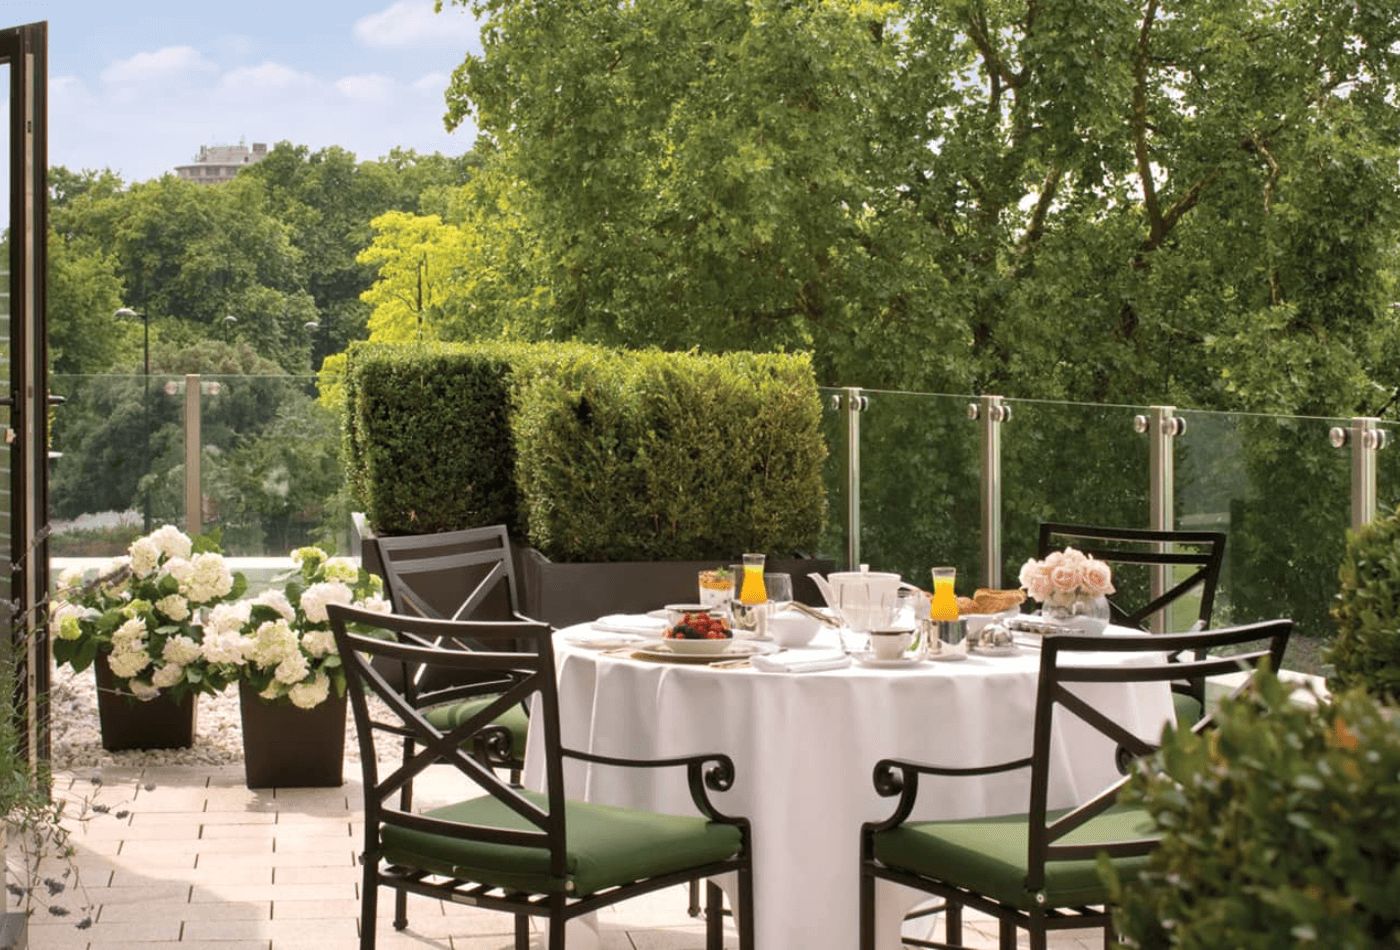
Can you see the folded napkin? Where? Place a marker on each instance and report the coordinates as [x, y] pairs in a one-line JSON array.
[[602, 640], [639, 624], [800, 661]]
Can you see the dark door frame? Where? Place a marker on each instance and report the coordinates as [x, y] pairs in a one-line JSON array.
[[25, 50]]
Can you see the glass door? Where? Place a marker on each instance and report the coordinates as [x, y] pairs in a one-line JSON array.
[[24, 379]]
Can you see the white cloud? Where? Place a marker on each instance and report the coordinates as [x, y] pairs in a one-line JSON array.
[[431, 82], [367, 87], [413, 23], [265, 76], [163, 64]]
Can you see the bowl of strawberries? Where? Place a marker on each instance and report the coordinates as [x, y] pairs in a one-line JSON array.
[[696, 629]]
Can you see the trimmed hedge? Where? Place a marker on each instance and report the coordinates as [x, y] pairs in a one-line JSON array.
[[590, 454], [1366, 650]]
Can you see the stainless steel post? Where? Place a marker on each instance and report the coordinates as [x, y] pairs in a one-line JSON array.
[[194, 513], [1163, 427], [991, 412], [855, 405], [1366, 440]]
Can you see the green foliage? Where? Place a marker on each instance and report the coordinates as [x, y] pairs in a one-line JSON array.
[[663, 456], [1281, 828], [591, 454], [1366, 650]]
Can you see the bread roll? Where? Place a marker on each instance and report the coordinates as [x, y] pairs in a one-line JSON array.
[[992, 601]]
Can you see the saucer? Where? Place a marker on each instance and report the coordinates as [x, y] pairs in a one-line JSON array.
[[866, 658], [1009, 650]]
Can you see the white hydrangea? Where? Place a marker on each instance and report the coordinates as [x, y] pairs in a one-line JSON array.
[[317, 597], [180, 569], [318, 643], [63, 621], [130, 635], [145, 556], [224, 647], [312, 694], [309, 553], [71, 579], [341, 569], [293, 669], [180, 649], [209, 579], [172, 542], [127, 663], [174, 606], [273, 642], [376, 605], [277, 601], [142, 690], [114, 578], [227, 618], [273, 691], [168, 675]]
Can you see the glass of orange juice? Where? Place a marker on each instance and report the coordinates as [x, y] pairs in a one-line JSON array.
[[944, 605], [750, 605]]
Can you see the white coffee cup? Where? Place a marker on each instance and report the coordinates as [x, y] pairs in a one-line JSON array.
[[890, 644]]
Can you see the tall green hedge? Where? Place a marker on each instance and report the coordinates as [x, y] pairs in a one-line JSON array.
[[1366, 651], [590, 454]]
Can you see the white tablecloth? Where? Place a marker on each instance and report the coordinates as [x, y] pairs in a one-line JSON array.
[[804, 746]]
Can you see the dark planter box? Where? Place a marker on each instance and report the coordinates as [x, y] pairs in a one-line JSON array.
[[129, 723], [288, 747], [564, 594]]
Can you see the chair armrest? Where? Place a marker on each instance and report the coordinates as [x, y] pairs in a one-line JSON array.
[[714, 772], [901, 777]]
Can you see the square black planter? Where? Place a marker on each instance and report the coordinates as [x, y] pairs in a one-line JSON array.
[[130, 723], [285, 746]]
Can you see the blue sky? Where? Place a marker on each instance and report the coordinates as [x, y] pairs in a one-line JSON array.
[[139, 85]]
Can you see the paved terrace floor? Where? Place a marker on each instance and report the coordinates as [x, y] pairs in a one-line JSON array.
[[188, 857]]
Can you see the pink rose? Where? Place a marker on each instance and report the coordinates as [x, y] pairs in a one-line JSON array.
[[1098, 577], [1065, 578]]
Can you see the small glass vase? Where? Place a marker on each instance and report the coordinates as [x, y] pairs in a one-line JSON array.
[[1090, 613]]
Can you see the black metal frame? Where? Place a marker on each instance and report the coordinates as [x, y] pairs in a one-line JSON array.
[[528, 674], [896, 777]]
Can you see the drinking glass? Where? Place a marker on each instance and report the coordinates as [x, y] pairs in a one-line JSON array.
[[779, 591], [861, 611], [751, 589], [945, 599]]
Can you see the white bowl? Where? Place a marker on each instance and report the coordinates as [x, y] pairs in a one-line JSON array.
[[792, 629], [698, 647]]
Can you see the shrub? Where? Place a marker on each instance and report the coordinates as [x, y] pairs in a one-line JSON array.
[[1280, 828], [591, 454], [654, 456], [1366, 651]]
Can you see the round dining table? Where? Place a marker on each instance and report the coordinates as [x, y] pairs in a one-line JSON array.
[[804, 746]]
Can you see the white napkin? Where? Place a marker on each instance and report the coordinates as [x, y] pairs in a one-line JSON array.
[[800, 661], [639, 624], [602, 640]]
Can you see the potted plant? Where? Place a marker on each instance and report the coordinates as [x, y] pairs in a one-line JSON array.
[[137, 625], [291, 684]]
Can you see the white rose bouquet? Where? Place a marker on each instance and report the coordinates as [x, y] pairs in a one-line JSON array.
[[281, 642], [142, 613], [1065, 577]]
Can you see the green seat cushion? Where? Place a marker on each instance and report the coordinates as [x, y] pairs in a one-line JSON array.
[[1189, 709], [606, 846], [448, 716], [989, 855]]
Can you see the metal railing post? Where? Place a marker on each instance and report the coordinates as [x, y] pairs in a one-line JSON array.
[[990, 412], [193, 495], [856, 403], [1161, 425], [1365, 439]]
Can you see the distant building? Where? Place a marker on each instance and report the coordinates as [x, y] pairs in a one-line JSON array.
[[216, 164]]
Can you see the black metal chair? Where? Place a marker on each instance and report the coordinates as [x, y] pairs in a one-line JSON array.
[[1038, 870], [1202, 550], [515, 851], [466, 575]]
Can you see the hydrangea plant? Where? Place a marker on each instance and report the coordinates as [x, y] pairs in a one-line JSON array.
[[280, 642], [142, 613]]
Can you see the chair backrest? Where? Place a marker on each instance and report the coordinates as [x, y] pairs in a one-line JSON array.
[[1063, 666], [434, 645], [1202, 550], [452, 575]]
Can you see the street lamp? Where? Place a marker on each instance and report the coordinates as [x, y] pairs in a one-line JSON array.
[[230, 321], [126, 313]]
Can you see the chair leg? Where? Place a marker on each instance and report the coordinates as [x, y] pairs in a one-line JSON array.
[[522, 932], [694, 909], [714, 915], [369, 902], [867, 909], [1039, 938], [952, 923], [1110, 939], [1007, 934], [400, 909], [557, 924], [515, 778], [746, 910]]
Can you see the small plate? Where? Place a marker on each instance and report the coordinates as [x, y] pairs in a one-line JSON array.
[[1010, 650], [596, 640], [733, 650], [866, 658], [949, 656]]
